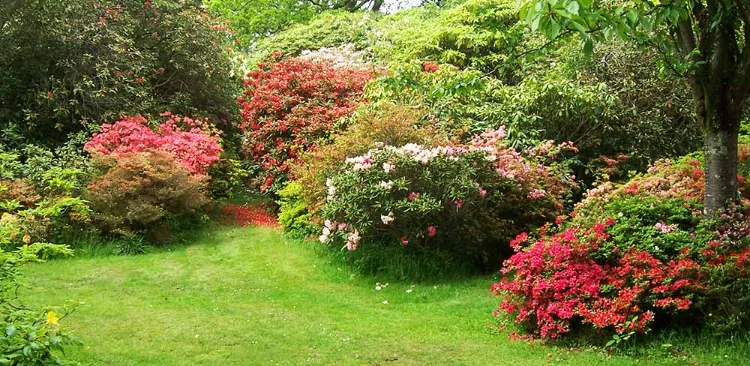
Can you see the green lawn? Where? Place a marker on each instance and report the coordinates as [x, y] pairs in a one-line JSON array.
[[241, 296]]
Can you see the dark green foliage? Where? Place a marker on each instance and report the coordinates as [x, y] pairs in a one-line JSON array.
[[67, 64]]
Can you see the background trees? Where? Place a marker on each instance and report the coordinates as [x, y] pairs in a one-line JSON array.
[[707, 42]]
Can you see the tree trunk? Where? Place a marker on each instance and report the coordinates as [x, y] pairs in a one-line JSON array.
[[721, 162]]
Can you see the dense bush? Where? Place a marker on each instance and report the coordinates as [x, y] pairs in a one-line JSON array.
[[145, 193], [329, 29], [462, 199], [295, 216], [484, 35], [69, 63], [42, 200], [635, 256], [458, 103], [289, 107], [388, 124]]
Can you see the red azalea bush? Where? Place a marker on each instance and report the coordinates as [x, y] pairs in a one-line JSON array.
[[290, 105], [189, 141], [556, 281], [656, 259]]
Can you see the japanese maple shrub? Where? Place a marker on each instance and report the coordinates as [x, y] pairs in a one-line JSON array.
[[144, 193], [290, 106], [466, 199]]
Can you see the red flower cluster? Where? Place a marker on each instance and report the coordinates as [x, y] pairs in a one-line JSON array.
[[430, 66], [556, 280], [289, 105], [244, 215], [185, 139]]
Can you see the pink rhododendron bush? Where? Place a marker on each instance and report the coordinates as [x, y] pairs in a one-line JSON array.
[[466, 199], [635, 257], [193, 143]]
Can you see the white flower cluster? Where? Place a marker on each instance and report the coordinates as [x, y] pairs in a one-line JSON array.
[[331, 189], [344, 56]]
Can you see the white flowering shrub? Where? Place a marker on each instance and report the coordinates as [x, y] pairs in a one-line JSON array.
[[344, 56], [469, 200]]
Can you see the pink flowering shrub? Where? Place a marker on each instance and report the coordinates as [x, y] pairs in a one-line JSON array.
[[466, 199], [190, 142], [655, 260]]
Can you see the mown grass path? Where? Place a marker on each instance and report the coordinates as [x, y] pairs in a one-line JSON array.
[[246, 296]]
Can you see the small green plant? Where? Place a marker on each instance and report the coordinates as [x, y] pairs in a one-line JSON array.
[[30, 337], [132, 245], [294, 215]]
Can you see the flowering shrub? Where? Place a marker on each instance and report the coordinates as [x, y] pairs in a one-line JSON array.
[[186, 139], [344, 56], [655, 259], [556, 280], [394, 125], [140, 192], [288, 107], [463, 199]]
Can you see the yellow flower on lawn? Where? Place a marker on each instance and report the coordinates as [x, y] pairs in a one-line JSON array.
[[52, 318], [26, 239]]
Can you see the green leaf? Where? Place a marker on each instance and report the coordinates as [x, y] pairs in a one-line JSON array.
[[588, 47], [552, 29], [578, 26], [632, 16], [535, 23], [572, 7], [586, 4]]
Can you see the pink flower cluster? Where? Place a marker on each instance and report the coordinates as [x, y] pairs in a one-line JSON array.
[[184, 138]]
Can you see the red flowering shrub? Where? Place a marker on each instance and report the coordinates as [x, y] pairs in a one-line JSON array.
[[657, 258], [556, 281], [185, 139], [288, 107]]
